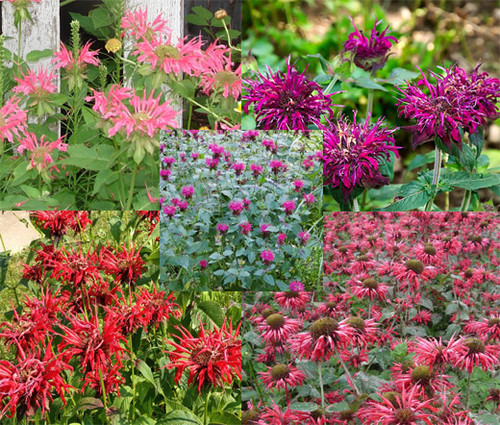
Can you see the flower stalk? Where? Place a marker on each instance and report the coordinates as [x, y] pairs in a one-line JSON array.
[[435, 178]]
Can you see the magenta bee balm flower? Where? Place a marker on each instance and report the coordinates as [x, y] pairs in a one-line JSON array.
[[287, 101], [369, 54], [267, 257], [351, 154], [456, 101]]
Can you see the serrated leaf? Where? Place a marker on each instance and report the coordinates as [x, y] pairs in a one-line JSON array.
[[400, 75], [212, 310], [420, 160], [179, 417], [225, 419], [414, 195], [145, 370], [338, 407], [472, 181]]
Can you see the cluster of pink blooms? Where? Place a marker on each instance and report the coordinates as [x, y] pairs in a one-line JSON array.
[[157, 47], [419, 285], [237, 216]]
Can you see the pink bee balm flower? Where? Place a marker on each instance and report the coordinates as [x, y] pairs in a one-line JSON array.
[[41, 150], [64, 58], [183, 205], [277, 328], [298, 185], [247, 203], [110, 105], [267, 257], [169, 210], [12, 120], [246, 228], [277, 166], [218, 73], [282, 376], [222, 228], [148, 116], [270, 145], [309, 198], [281, 238], [236, 207], [307, 164], [168, 161], [36, 84], [184, 57], [256, 169], [203, 264], [471, 352], [296, 286], [137, 25], [239, 167], [187, 192], [165, 174], [289, 207], [264, 231], [304, 237]]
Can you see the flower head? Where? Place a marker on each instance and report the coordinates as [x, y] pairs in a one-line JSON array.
[[42, 149], [352, 153], [282, 376], [287, 101], [212, 358], [12, 120], [36, 84], [267, 256], [370, 54]]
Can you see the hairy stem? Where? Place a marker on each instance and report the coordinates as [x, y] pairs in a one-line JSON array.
[[132, 188], [466, 200], [320, 376]]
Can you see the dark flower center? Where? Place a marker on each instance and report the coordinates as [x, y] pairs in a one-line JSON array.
[[292, 294], [342, 249], [201, 357], [267, 312], [483, 224], [166, 51], [275, 321], [392, 396], [280, 371], [357, 323], [421, 375], [476, 239], [429, 249], [331, 305], [475, 345], [493, 321], [249, 417], [407, 365], [324, 327], [362, 258], [415, 266], [469, 273], [370, 283], [405, 416]]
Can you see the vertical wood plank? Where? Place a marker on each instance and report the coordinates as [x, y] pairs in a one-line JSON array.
[[173, 12], [42, 34]]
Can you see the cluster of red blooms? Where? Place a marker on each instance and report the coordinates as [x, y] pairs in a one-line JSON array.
[[394, 281], [83, 325]]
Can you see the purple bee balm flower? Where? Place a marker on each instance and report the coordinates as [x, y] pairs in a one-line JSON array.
[[456, 101], [369, 54], [289, 207], [236, 207], [351, 154], [267, 257], [187, 192], [296, 285], [222, 228], [203, 264], [287, 101]]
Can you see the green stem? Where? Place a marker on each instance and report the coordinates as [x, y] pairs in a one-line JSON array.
[[218, 117], [132, 188], [3, 244], [104, 397], [466, 200], [369, 105], [19, 34], [190, 116], [468, 392], [347, 372], [435, 178], [355, 205], [320, 376], [133, 375], [205, 416]]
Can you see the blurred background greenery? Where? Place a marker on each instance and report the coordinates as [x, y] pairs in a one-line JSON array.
[[430, 33]]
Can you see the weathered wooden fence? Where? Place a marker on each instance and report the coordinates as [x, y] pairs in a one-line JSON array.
[[44, 32]]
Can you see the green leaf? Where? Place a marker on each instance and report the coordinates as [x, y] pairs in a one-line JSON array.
[[269, 279], [31, 192], [363, 79], [145, 370], [212, 310], [90, 403], [477, 139], [420, 160], [104, 177], [100, 18], [182, 261], [400, 75], [203, 12], [95, 159], [216, 256], [414, 195], [36, 55], [472, 181], [225, 419], [304, 407], [195, 19], [179, 417], [338, 407]]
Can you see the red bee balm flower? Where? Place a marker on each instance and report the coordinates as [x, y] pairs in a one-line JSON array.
[[282, 376], [212, 358], [125, 264], [27, 386]]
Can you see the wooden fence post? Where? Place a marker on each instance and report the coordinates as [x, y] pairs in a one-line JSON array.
[[42, 34]]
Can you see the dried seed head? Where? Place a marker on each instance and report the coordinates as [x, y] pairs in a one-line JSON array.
[[280, 371], [429, 249], [370, 283], [323, 327], [275, 321], [415, 266], [421, 374], [475, 345], [267, 312], [357, 323]]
